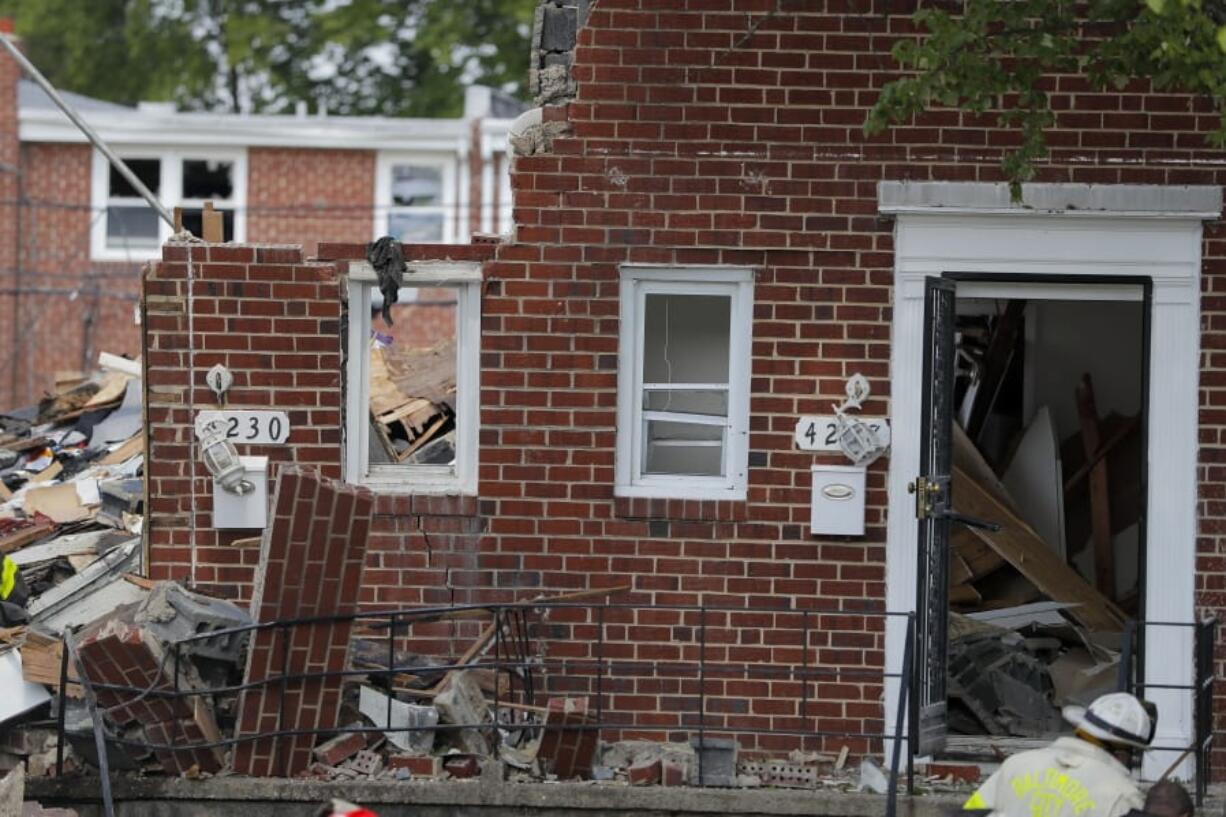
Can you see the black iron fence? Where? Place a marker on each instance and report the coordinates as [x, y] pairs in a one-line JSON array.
[[803, 651], [606, 658]]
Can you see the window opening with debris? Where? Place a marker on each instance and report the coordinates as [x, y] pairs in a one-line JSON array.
[[682, 383], [412, 384], [1049, 423]]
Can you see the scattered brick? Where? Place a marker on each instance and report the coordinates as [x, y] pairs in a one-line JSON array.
[[462, 766], [645, 773], [959, 772], [418, 765], [341, 747], [673, 773]]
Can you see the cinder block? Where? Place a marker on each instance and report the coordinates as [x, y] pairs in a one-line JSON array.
[[171, 613], [716, 761]]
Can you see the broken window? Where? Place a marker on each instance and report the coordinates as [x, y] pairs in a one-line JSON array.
[[130, 221], [132, 230], [683, 387], [412, 385], [418, 197]]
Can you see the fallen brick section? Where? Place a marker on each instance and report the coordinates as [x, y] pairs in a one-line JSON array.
[[418, 765], [185, 732], [116, 651], [568, 751], [311, 561], [341, 747]]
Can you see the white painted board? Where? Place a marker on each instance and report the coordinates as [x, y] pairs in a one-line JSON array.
[[1035, 480], [20, 696]]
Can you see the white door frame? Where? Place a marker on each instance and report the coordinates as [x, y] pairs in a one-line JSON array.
[[1085, 231]]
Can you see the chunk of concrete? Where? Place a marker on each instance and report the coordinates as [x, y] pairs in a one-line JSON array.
[[13, 791], [462, 703], [171, 614], [374, 705], [716, 761], [559, 26]]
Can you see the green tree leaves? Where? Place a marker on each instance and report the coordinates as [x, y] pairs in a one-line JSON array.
[[390, 57], [996, 56]]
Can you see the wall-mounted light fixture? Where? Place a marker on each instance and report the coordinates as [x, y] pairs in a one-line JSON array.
[[221, 458]]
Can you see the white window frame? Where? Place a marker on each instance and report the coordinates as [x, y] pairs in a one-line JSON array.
[[636, 282], [449, 207], [170, 194], [419, 479]]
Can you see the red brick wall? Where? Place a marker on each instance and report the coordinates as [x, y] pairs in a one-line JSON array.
[[303, 196], [72, 308], [694, 143], [274, 321]]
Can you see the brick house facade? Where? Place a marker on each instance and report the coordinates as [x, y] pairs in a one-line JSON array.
[[71, 285], [722, 136]]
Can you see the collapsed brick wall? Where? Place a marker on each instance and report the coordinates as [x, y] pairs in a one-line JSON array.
[[312, 555]]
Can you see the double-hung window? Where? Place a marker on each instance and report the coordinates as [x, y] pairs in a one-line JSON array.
[[683, 382], [412, 387], [127, 228], [416, 198]]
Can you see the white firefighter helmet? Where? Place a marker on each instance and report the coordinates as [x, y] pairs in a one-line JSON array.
[[1117, 718]]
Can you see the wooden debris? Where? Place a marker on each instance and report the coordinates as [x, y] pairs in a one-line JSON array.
[[212, 225], [40, 662], [1021, 547], [411, 396], [140, 581], [995, 365], [1131, 426], [24, 536], [125, 452], [1100, 497], [112, 389]]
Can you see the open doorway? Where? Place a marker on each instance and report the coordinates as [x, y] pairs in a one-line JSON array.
[[1048, 419]]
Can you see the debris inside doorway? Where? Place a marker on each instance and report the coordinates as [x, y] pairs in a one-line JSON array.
[[1047, 425]]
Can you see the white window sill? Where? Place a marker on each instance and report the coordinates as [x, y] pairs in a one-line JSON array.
[[417, 487], [142, 254], [723, 493]]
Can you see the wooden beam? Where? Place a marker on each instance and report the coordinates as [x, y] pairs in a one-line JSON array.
[[1131, 426], [1100, 497], [1025, 550]]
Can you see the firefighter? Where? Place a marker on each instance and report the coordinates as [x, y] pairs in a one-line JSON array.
[[1080, 776], [13, 595]]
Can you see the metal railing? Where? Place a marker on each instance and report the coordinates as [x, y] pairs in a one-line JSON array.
[[596, 672], [1131, 678]]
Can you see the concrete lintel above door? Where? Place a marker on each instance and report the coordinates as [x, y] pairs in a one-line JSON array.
[[1120, 200]]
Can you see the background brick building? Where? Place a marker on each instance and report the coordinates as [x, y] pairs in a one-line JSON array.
[[70, 285], [726, 135]]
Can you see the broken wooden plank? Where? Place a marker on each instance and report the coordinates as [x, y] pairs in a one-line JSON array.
[[970, 558], [125, 452], [996, 361], [964, 595], [968, 458], [1100, 497], [48, 473], [20, 538], [1021, 547]]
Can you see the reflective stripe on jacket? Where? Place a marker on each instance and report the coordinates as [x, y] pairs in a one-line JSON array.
[[1069, 778]]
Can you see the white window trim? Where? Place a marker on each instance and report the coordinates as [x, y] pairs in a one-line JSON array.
[[450, 206], [171, 195], [737, 282], [957, 227], [417, 479]]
